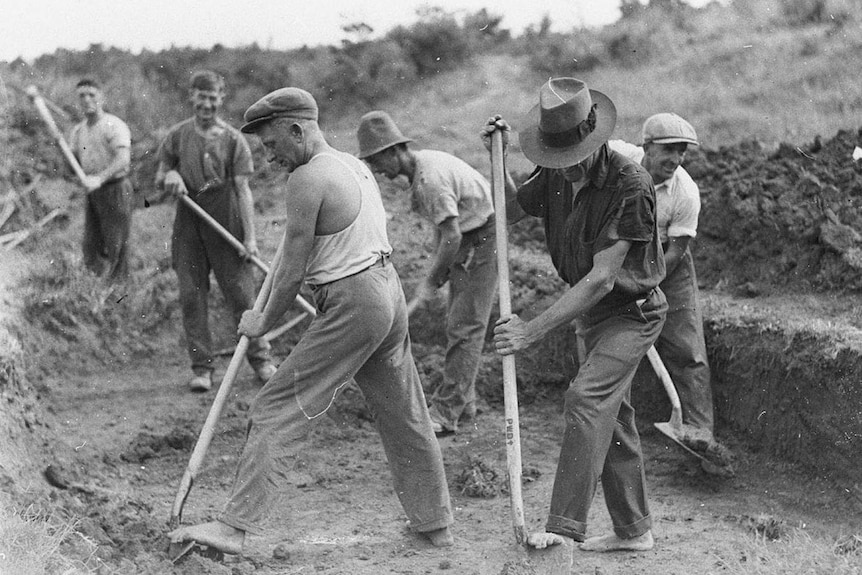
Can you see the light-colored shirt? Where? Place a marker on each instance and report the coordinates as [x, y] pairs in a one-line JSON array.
[[677, 198], [96, 146], [359, 245], [446, 186]]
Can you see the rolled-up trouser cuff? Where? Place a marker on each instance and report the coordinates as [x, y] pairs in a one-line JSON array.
[[432, 525], [635, 529], [566, 527]]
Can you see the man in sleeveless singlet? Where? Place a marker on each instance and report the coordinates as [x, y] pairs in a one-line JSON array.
[[335, 240]]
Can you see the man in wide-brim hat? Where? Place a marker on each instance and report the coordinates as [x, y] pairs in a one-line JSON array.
[[598, 209], [457, 200]]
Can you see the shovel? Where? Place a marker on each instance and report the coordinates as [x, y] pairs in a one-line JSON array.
[[177, 550], [673, 428], [236, 244], [42, 108], [556, 559]]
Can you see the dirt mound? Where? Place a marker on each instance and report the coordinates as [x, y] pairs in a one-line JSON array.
[[786, 220]]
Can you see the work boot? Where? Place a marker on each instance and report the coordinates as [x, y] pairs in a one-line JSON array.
[[265, 371], [201, 381]]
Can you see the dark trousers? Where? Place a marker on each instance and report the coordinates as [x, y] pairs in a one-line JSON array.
[[197, 250], [682, 347], [107, 224], [601, 440]]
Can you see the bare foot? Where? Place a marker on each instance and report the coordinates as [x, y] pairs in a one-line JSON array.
[[216, 534], [543, 539], [440, 537], [612, 542]]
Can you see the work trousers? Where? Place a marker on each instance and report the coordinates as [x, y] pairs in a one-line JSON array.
[[360, 333], [682, 347], [197, 249], [107, 226], [601, 439], [472, 287]]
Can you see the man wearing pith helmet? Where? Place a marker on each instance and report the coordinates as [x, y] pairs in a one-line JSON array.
[[666, 137], [334, 240], [598, 209], [457, 200]]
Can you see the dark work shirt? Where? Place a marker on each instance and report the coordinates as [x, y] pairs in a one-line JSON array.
[[617, 203]]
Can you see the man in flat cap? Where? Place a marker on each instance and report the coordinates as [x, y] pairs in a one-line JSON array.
[[210, 161], [335, 240], [666, 137], [456, 198], [599, 212]]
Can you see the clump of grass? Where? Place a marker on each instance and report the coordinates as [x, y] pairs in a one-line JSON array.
[[478, 479], [32, 542], [794, 552]]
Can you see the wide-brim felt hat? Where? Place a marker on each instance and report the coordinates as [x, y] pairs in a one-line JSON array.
[[377, 131], [569, 123]]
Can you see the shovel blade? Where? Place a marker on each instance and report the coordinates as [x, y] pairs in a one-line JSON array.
[[670, 431]]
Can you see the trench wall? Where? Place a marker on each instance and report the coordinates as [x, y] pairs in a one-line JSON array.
[[791, 392]]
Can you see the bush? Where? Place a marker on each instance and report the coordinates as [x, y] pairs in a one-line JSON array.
[[435, 44], [805, 12]]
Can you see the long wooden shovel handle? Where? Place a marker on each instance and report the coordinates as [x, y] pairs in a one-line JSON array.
[[510, 385], [669, 388], [231, 239], [39, 102], [208, 429]]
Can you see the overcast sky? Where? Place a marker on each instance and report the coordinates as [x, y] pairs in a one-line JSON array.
[[30, 28]]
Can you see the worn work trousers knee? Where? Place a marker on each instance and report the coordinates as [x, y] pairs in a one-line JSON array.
[[360, 333], [107, 226], [682, 347], [472, 286], [601, 440], [198, 249]]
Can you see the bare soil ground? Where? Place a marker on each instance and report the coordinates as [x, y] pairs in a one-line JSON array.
[[121, 424], [126, 436]]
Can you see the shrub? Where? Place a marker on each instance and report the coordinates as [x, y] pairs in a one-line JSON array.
[[435, 44]]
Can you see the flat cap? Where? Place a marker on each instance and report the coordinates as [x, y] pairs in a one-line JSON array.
[[282, 103], [668, 128]]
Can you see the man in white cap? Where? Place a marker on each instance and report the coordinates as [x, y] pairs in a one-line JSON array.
[[666, 137], [335, 240], [457, 199], [598, 209]]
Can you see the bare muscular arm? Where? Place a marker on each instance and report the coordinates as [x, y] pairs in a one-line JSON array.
[[246, 213], [675, 250], [304, 200]]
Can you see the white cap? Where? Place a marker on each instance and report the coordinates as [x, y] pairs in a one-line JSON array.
[[668, 128]]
